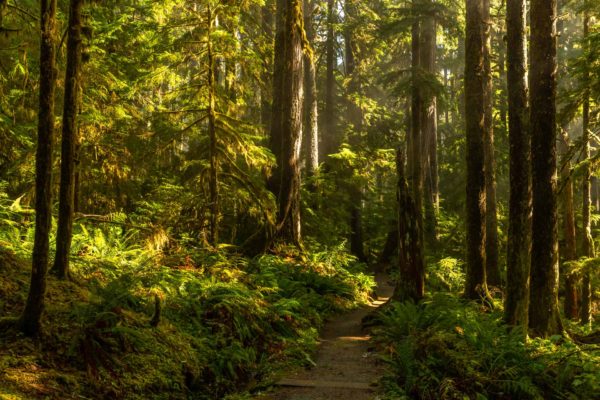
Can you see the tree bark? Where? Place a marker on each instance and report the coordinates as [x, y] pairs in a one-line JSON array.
[[286, 130], [356, 229], [390, 248], [595, 195], [429, 127], [330, 139], [491, 220], [30, 321], [311, 108], [476, 283], [544, 318], [571, 304], [267, 77], [212, 134], [588, 241], [447, 108], [77, 173], [411, 283], [69, 139], [275, 133], [354, 117], [502, 104], [516, 307]]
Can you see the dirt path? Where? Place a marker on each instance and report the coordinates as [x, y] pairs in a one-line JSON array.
[[345, 367]]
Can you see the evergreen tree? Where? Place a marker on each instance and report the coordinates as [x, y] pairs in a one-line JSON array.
[[476, 284], [286, 128], [30, 321], [544, 318], [516, 308], [69, 139], [588, 241]]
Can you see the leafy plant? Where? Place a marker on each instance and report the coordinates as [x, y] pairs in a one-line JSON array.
[[447, 349]]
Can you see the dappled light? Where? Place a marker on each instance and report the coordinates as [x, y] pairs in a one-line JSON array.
[[299, 199]]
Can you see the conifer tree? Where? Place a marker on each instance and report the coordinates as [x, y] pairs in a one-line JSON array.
[[544, 317], [69, 139], [476, 284], [286, 128], [516, 307], [588, 241], [30, 322]]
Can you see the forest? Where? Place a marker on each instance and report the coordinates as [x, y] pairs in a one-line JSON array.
[[299, 199]]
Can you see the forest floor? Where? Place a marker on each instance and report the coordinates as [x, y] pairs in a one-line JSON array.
[[346, 366]]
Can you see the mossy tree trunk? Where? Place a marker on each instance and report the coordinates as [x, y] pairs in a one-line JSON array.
[[267, 76], [491, 220], [355, 118], [516, 307], [311, 106], [544, 318], [212, 131], [571, 305], [69, 139], [330, 140], [30, 321], [411, 282], [588, 241], [476, 284], [429, 129], [286, 128]]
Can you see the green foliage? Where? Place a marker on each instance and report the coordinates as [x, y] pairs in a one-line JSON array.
[[229, 320], [143, 164], [585, 265], [446, 275], [447, 349]]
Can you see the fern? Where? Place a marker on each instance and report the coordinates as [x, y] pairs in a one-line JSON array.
[[445, 349]]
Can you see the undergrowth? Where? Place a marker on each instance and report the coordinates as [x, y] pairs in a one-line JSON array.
[[227, 323], [445, 348]]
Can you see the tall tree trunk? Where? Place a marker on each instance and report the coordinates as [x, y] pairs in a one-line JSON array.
[[411, 283], [275, 133], [390, 248], [502, 104], [311, 108], [354, 113], [447, 107], [69, 139], [476, 284], [330, 138], [354, 117], [77, 174], [429, 128], [588, 241], [212, 135], [286, 130], [516, 307], [595, 195], [30, 321], [544, 318], [267, 76], [571, 293], [356, 229], [491, 221]]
